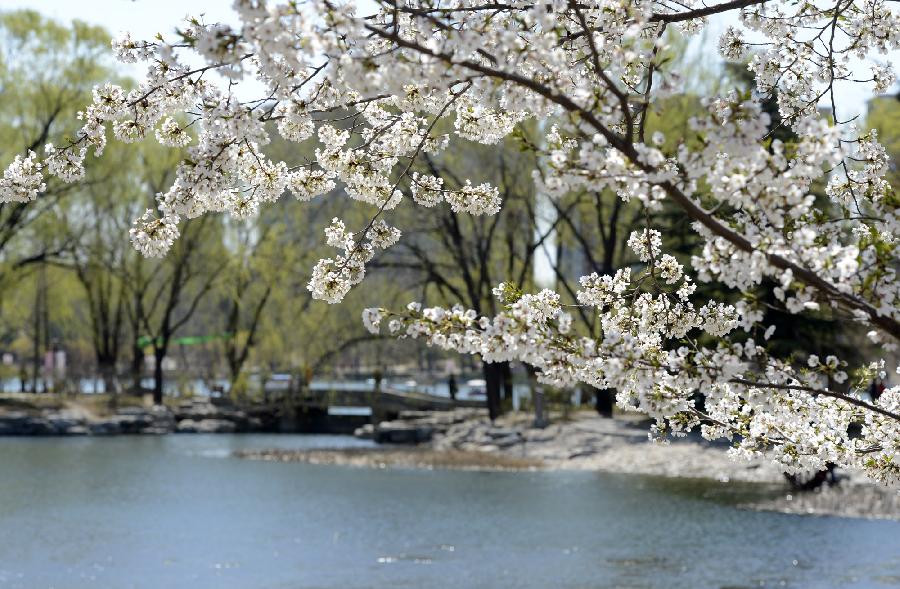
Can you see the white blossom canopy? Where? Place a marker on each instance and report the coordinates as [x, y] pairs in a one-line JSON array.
[[594, 68]]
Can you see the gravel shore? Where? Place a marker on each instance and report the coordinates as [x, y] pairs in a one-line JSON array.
[[397, 458]]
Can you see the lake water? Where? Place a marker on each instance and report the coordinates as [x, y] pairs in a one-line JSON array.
[[179, 511]]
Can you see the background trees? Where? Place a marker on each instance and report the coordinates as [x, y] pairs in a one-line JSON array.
[[453, 257], [47, 71], [229, 303]]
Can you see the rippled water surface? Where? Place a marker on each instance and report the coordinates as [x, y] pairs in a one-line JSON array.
[[179, 511]]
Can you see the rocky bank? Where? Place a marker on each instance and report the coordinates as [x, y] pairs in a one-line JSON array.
[[583, 441], [194, 416]]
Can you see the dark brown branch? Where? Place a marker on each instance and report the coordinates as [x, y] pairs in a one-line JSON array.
[[705, 11], [820, 392]]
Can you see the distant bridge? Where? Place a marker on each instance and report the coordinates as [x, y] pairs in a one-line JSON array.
[[393, 400], [336, 406]]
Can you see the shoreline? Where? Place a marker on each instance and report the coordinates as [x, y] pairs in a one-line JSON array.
[[466, 440], [396, 457]]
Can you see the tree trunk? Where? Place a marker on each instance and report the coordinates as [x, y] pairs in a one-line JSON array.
[[159, 354], [36, 347], [493, 378], [506, 372], [137, 365], [107, 369], [604, 399], [537, 397], [39, 331]]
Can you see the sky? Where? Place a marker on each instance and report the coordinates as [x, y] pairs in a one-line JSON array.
[[143, 18]]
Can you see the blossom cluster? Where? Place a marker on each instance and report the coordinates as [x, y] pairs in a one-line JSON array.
[[333, 278], [22, 180], [650, 352]]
